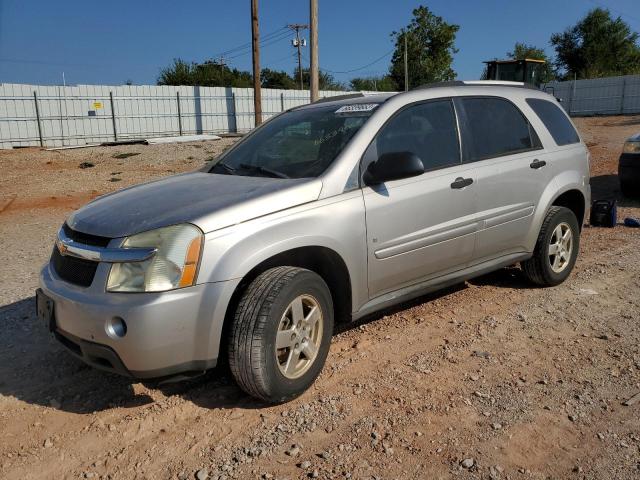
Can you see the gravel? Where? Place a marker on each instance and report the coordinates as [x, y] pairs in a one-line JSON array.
[[397, 398]]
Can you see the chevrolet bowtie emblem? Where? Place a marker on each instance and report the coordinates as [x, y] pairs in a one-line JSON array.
[[62, 248]]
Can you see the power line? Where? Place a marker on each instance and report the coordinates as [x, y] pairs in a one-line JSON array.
[[247, 45], [290, 56], [360, 68], [619, 12], [220, 58], [265, 44]]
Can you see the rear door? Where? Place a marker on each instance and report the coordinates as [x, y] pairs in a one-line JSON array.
[[512, 172], [423, 226]]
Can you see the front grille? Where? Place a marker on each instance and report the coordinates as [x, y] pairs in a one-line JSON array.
[[85, 238], [73, 270], [77, 270]]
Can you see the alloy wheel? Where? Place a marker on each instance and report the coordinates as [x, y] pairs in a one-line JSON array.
[[560, 247], [299, 336]]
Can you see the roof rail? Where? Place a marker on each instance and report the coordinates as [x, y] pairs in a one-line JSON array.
[[477, 83], [340, 97], [504, 83], [451, 83]]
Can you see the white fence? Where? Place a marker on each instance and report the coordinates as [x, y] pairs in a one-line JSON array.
[[599, 96], [55, 116]]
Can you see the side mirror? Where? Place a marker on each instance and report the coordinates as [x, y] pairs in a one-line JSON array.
[[393, 166]]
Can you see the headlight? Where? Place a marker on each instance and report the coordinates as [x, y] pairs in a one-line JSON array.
[[173, 266], [631, 147]]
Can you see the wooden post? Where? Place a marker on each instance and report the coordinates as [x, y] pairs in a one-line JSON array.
[[113, 117], [624, 86], [282, 101], [313, 41], [35, 99], [179, 113], [235, 112], [255, 39]]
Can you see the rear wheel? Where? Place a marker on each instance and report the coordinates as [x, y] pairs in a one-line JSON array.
[[556, 249], [281, 333]]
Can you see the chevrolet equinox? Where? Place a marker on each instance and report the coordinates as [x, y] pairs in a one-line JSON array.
[[325, 213]]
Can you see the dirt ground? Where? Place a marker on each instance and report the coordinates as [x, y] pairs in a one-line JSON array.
[[490, 379]]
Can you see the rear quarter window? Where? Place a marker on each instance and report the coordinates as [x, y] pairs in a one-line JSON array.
[[555, 120]]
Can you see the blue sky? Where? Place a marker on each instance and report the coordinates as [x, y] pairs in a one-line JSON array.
[[108, 42]]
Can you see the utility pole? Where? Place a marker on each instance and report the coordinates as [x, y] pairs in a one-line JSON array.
[[313, 40], [220, 61], [406, 65], [255, 39], [299, 43]]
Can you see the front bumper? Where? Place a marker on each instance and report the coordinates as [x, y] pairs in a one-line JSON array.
[[167, 332]]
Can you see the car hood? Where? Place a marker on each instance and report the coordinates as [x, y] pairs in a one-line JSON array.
[[210, 201]]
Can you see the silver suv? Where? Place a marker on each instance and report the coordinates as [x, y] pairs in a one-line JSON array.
[[326, 213]]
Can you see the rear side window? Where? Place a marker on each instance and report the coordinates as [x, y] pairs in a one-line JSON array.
[[555, 120], [425, 129], [493, 127]]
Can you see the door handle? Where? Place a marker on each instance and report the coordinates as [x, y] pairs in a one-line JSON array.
[[537, 164], [461, 183]]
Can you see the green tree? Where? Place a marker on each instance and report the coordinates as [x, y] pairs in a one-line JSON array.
[[430, 49], [597, 46], [178, 73], [276, 79], [383, 83], [207, 74]]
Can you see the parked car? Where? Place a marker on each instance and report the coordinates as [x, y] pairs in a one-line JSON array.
[[629, 167], [326, 213]]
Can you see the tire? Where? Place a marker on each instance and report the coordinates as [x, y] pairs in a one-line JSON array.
[[270, 304], [542, 268]]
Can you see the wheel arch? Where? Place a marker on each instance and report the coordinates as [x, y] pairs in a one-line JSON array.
[[324, 261], [568, 189], [574, 200]]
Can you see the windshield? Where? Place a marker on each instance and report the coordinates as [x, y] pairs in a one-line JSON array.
[[297, 144]]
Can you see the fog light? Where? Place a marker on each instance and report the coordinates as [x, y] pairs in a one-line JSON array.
[[116, 327]]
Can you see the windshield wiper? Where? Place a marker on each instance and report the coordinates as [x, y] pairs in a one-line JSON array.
[[228, 168], [265, 170]]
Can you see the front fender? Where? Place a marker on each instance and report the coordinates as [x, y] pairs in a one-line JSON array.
[[336, 223]]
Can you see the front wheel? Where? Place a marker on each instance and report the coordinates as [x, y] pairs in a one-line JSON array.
[[556, 248], [281, 333]]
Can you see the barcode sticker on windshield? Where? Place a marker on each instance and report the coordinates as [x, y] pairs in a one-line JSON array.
[[358, 107]]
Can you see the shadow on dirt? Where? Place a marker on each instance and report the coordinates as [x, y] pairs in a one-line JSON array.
[[627, 121], [36, 369]]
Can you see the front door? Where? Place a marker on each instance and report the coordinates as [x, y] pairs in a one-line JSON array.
[[420, 227]]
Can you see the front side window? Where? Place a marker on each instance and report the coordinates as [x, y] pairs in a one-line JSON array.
[[297, 144], [493, 127], [555, 120], [428, 130]]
